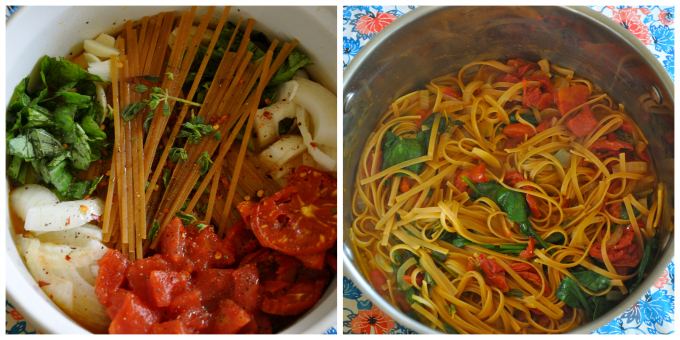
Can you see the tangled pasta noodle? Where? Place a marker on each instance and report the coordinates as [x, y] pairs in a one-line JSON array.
[[487, 201]]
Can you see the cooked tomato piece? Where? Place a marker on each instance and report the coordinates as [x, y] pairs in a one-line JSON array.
[[207, 250], [111, 275], [477, 174], [527, 253], [301, 219], [614, 210], [243, 240], [369, 162], [582, 123], [494, 274], [451, 93], [315, 261], [378, 281], [625, 253], [294, 300], [610, 145], [528, 272], [134, 317], [246, 210], [518, 131], [511, 178], [230, 318], [164, 286], [246, 285], [423, 115], [544, 125], [506, 78], [531, 95], [570, 97]]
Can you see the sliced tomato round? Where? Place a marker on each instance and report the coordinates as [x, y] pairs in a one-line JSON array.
[[294, 300], [301, 219]]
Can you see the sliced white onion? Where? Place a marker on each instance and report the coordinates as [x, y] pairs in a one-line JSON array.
[[267, 129], [76, 237], [634, 167], [286, 91], [286, 168], [205, 40], [564, 157], [61, 216], [615, 236], [383, 264], [281, 111], [106, 40], [31, 195], [101, 100], [91, 58], [102, 69], [280, 149], [308, 160], [326, 162], [322, 106], [99, 49]]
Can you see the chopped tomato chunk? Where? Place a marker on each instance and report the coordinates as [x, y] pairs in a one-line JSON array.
[[378, 280], [230, 318], [625, 253], [494, 274], [451, 93], [528, 272], [518, 131], [527, 253], [582, 123], [570, 97], [423, 115]]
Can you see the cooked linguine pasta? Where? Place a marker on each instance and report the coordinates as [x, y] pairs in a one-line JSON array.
[[506, 198]]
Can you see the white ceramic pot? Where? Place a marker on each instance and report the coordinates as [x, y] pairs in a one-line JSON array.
[[57, 31]]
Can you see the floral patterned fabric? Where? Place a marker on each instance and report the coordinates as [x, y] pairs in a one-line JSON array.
[[654, 26]]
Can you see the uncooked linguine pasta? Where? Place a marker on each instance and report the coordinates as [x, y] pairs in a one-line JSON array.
[[508, 197]]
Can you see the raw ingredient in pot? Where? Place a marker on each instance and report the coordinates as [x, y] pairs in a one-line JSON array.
[[510, 197], [133, 161]]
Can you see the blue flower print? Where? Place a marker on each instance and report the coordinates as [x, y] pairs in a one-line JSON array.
[[632, 315], [669, 64], [350, 46], [364, 305], [657, 307], [349, 290], [662, 37]]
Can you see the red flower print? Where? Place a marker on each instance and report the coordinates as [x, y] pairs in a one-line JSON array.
[[372, 321], [630, 20], [666, 18], [372, 23], [16, 315], [663, 280]]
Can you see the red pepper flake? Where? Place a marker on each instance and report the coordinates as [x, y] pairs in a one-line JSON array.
[[241, 81], [213, 119], [86, 197], [267, 115], [114, 199], [165, 211], [312, 144], [43, 284], [68, 258], [267, 101], [69, 221], [224, 181], [96, 217]]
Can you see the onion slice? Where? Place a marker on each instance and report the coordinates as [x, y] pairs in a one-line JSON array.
[[322, 106], [326, 162]]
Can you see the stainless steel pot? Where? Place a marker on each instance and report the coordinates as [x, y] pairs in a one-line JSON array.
[[432, 41]]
